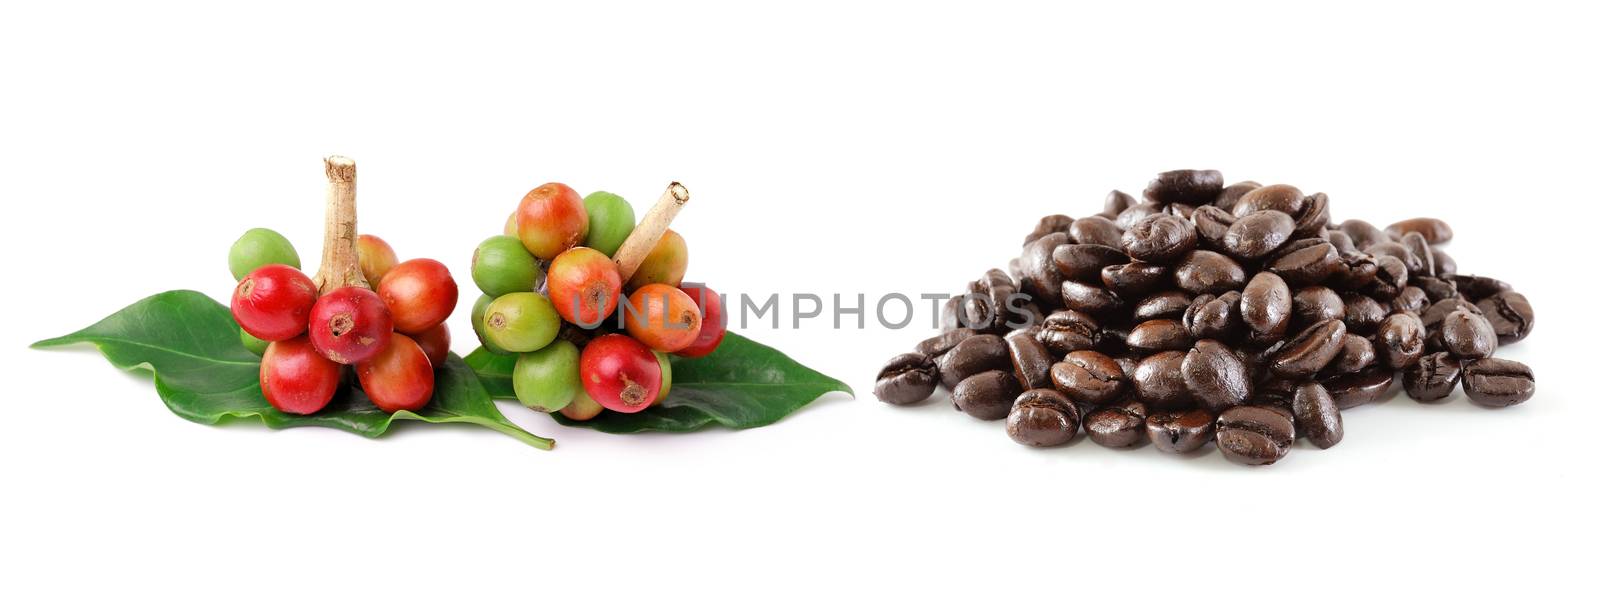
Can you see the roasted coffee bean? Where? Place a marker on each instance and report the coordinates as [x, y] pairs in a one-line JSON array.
[[1341, 241], [1179, 432], [1030, 360], [950, 315], [1316, 417], [1355, 353], [1497, 382], [1257, 234], [1423, 254], [1214, 316], [1286, 199], [1088, 298], [1159, 238], [1133, 279], [1275, 392], [938, 345], [1211, 225], [1434, 230], [1265, 306], [985, 308], [1254, 436], [1443, 263], [1363, 313], [1159, 335], [1364, 234], [1042, 418], [1088, 376], [1049, 224], [1510, 315], [1312, 349], [1186, 186], [1117, 202], [1064, 332], [1230, 195], [1040, 279], [1158, 381], [1014, 266], [1358, 388], [1433, 288], [1313, 217], [1356, 270], [1310, 305], [1434, 315], [1432, 378], [1114, 339], [1096, 231], [1478, 287], [908, 378], [1391, 278], [1162, 305], [972, 356], [1214, 376], [1118, 425], [987, 395], [1400, 341], [1307, 265], [1084, 262], [1468, 335], [1128, 218], [1208, 272], [1411, 300]]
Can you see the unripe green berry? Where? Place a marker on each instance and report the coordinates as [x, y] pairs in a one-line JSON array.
[[479, 309], [501, 266], [255, 345], [260, 247], [521, 322], [666, 376], [547, 379], [610, 222]]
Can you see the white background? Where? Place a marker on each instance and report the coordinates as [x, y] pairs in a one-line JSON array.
[[829, 148]]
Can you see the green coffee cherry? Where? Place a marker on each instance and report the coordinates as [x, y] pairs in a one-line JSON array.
[[501, 266], [521, 322], [479, 309], [610, 222], [260, 247], [666, 376], [255, 345], [547, 379]]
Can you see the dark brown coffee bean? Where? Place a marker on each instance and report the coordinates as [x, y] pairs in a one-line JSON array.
[[1195, 187], [1159, 335], [1179, 432], [1432, 378], [1158, 381], [1265, 306], [1341, 241], [1088, 376], [1215, 377], [1310, 305], [1116, 426], [1257, 234], [1084, 262], [1286, 199], [1432, 288], [1434, 230], [1162, 305], [1128, 218], [987, 395], [1412, 299], [1364, 234], [1114, 339], [1391, 278], [1363, 313], [1478, 287], [1088, 298], [1064, 332], [1230, 195], [1312, 349], [1355, 389], [1355, 271], [1400, 341], [1133, 279], [1274, 392], [1306, 265], [1214, 316], [1208, 272], [1313, 217], [1468, 335], [1042, 418], [972, 356], [1211, 224], [1435, 313], [1497, 382], [945, 341], [1049, 224], [1040, 278], [1316, 417], [1355, 354], [950, 315], [1117, 202], [1254, 436], [1420, 252], [1030, 360], [1510, 314], [1096, 231], [1159, 238], [908, 378], [1443, 263]]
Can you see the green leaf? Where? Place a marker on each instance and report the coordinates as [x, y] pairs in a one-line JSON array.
[[743, 384], [204, 374]]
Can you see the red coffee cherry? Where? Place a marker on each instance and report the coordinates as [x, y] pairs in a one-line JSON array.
[[435, 343], [400, 378], [662, 317], [420, 294], [552, 219], [296, 379], [350, 325], [585, 286], [620, 373], [273, 303], [713, 325]]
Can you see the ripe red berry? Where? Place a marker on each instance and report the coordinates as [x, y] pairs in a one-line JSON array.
[[420, 294], [435, 342], [585, 286], [296, 379], [713, 324], [400, 378], [350, 324], [273, 302], [620, 373], [662, 317]]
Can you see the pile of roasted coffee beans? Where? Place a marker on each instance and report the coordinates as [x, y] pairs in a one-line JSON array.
[[1235, 313]]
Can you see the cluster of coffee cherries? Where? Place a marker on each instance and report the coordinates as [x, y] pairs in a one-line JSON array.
[[393, 337], [553, 295], [1238, 314]]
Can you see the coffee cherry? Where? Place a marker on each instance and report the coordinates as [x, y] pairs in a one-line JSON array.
[[584, 286], [520, 322], [713, 323], [260, 247], [583, 408], [620, 373], [273, 303], [420, 294], [511, 225], [255, 345], [479, 311], [666, 377], [400, 378], [377, 258], [350, 325], [435, 343], [547, 379], [501, 266], [610, 222], [296, 379], [551, 219], [662, 317], [666, 263]]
